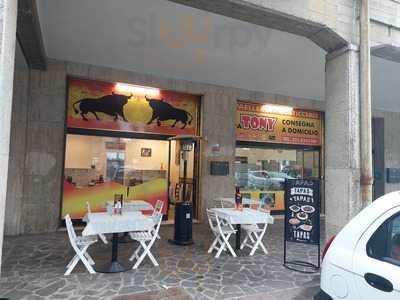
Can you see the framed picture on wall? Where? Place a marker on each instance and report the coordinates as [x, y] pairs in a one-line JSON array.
[[145, 152]]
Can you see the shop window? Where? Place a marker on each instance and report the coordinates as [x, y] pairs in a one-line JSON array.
[[97, 168], [384, 244], [261, 172]]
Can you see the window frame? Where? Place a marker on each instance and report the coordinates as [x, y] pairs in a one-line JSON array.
[[388, 224]]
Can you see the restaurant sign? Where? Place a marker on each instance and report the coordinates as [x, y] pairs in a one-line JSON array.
[[100, 105], [302, 208], [277, 124]]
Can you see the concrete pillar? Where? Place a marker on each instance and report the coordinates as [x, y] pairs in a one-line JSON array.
[[342, 173], [8, 23]]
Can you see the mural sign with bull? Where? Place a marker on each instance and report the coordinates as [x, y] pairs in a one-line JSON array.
[[106, 106]]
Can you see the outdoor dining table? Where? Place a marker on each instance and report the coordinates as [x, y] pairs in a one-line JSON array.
[[129, 205], [245, 216], [245, 201], [102, 223]]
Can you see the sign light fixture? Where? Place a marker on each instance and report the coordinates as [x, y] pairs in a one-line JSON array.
[[277, 109], [136, 90]]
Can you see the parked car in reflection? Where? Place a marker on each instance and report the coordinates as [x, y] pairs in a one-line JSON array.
[[293, 171], [242, 178], [363, 260], [263, 179]]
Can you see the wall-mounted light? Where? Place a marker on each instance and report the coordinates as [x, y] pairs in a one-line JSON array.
[[93, 163], [136, 90], [277, 109]]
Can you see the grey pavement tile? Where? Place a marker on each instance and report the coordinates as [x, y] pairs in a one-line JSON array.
[[33, 267]]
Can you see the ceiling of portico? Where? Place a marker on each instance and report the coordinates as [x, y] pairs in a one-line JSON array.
[[172, 40]]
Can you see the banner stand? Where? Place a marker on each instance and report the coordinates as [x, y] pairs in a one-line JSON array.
[[302, 221], [296, 265]]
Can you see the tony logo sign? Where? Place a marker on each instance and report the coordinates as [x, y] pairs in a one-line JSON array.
[[270, 123], [256, 122]]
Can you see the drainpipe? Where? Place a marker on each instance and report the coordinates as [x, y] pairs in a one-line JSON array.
[[365, 105]]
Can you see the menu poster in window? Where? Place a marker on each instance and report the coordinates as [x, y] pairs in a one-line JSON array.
[[302, 211]]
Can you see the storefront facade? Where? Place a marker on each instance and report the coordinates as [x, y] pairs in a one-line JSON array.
[[59, 146], [39, 158], [40, 131], [275, 143], [118, 143]]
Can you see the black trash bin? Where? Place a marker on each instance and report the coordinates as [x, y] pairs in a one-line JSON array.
[[183, 224]]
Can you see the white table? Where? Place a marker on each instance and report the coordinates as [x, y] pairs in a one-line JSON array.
[[131, 205], [245, 216], [101, 223], [245, 201]]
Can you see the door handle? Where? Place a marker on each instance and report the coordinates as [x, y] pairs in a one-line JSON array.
[[378, 282]]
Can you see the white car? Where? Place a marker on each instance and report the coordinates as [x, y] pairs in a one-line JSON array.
[[267, 180], [363, 261]]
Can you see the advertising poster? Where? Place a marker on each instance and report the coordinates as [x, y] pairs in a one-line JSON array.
[[123, 107], [275, 198], [273, 124], [302, 211]]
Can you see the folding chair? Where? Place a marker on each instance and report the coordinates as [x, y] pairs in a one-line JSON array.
[[226, 203], [157, 209], [101, 236], [212, 220], [222, 230], [217, 203], [144, 237], [80, 244], [254, 236]]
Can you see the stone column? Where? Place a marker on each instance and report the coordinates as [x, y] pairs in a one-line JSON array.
[[342, 143], [8, 21]]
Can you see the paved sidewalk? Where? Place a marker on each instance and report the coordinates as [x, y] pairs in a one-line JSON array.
[[33, 266]]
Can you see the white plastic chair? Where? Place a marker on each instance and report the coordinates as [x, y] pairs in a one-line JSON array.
[[226, 203], [212, 220], [80, 244], [101, 236], [157, 209], [254, 236], [222, 230], [146, 240]]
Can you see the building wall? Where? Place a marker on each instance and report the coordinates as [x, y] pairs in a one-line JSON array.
[[17, 152], [36, 164], [385, 20], [341, 16], [392, 144], [338, 15], [43, 154]]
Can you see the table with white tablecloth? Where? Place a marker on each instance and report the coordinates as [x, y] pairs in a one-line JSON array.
[[244, 216], [102, 223], [131, 205], [245, 201]]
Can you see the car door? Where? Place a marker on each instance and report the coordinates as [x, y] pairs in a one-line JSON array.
[[376, 260]]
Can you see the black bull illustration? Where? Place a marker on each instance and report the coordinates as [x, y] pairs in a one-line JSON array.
[[163, 111], [112, 105]]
